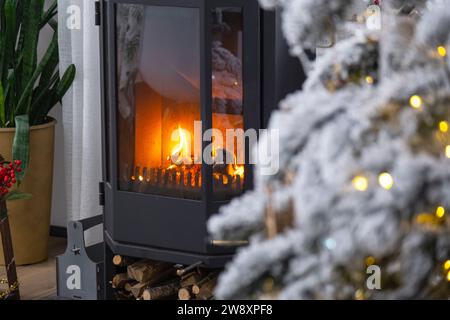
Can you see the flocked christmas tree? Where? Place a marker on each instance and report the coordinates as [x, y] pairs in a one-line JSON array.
[[364, 157]]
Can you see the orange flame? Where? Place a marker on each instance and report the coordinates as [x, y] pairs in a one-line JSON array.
[[236, 169], [181, 153]]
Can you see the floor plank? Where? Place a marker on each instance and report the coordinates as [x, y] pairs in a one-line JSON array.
[[38, 282]]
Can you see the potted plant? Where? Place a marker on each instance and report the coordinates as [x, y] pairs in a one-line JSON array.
[[28, 90]]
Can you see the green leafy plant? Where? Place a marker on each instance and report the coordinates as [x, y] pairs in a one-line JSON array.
[[28, 88]]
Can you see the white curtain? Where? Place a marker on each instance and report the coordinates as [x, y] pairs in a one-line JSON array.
[[79, 44]]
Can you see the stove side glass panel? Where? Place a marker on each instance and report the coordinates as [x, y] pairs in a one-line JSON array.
[[227, 102]]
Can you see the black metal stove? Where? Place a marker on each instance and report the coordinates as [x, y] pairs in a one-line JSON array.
[[165, 65]]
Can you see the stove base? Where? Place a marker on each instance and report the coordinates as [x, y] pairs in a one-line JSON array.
[[176, 257]]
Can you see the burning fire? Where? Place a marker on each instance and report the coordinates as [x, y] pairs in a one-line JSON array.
[[236, 170], [181, 157], [181, 153]]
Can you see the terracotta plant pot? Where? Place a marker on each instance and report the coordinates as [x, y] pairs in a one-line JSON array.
[[30, 219]]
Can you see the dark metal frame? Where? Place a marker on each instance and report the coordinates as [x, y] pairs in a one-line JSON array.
[[174, 229]]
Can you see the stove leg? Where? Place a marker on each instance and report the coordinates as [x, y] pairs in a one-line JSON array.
[[108, 274]]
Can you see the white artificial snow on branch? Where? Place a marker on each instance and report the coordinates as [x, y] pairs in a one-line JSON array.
[[329, 137]]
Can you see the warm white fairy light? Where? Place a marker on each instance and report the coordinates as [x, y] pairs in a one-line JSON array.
[[440, 212], [416, 101], [360, 183], [442, 51], [447, 265], [386, 181], [369, 80], [443, 126]]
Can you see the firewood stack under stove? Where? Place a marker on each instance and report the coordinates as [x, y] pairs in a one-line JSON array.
[[156, 280]]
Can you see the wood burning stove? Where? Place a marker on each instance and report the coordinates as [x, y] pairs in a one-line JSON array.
[[171, 69]]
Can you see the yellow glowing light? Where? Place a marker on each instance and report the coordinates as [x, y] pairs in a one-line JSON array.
[[447, 151], [359, 295], [448, 276], [360, 183], [370, 261], [416, 101], [385, 180], [447, 265], [141, 178], [440, 212], [369, 80], [443, 126], [442, 51]]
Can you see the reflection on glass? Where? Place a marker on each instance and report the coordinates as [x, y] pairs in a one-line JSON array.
[[158, 99], [227, 98]]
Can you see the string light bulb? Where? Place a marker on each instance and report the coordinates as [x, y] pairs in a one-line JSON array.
[[416, 101], [369, 80], [443, 126], [360, 183], [442, 51], [447, 265], [370, 261], [440, 212], [386, 181], [359, 294]]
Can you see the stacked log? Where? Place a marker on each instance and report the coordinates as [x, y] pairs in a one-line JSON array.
[[198, 285], [156, 280]]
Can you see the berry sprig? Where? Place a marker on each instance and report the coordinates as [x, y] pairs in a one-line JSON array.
[[8, 172]]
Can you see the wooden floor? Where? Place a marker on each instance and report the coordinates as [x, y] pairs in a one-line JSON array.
[[38, 282]]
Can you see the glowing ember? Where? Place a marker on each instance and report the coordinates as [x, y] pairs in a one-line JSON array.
[[180, 170]]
